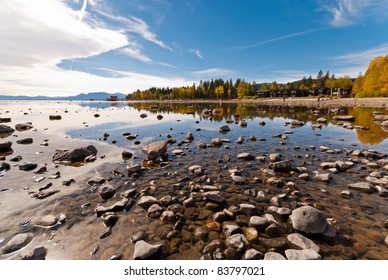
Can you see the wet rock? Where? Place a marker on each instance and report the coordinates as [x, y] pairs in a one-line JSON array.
[[383, 192], [17, 242], [308, 220], [5, 146], [16, 159], [155, 150], [144, 250], [224, 129], [346, 194], [178, 152], [189, 136], [76, 155], [230, 228], [273, 230], [23, 126], [258, 222], [274, 256], [277, 242], [47, 221], [252, 254], [237, 242], [327, 165], [301, 242], [348, 118], [197, 170], [140, 235], [154, 211], [134, 168], [55, 117], [5, 129], [281, 166], [126, 155], [377, 181], [4, 166], [322, 120], [341, 165], [109, 219], [304, 176], [214, 196], [96, 180], [106, 191], [305, 254], [28, 166], [39, 253], [216, 142], [362, 187], [146, 201], [239, 180], [275, 157], [143, 115], [245, 156], [159, 117], [168, 216], [251, 234], [323, 177]]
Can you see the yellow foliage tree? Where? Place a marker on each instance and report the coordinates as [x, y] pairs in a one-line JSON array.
[[375, 81]]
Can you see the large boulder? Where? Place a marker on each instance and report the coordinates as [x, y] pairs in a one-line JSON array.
[[5, 146], [76, 155], [309, 220], [155, 149]]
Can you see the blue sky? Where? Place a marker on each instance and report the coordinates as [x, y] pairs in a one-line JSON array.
[[65, 47]]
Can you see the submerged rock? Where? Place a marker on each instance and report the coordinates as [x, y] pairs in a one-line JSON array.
[[5, 146], [23, 126], [155, 149], [144, 250], [74, 156], [17, 242], [5, 129]]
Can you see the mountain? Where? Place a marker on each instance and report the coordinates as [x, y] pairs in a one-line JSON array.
[[82, 96]]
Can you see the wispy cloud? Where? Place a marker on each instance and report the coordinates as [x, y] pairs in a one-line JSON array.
[[349, 12], [214, 72], [355, 62], [283, 76], [280, 38], [197, 53]]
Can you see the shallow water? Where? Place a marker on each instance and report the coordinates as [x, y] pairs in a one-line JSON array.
[[359, 221]]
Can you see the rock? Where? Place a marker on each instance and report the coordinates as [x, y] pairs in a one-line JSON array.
[[5, 129], [258, 222], [47, 221], [305, 254], [143, 115], [230, 229], [5, 146], [252, 254], [126, 155], [281, 166], [304, 176], [346, 194], [23, 126], [308, 220], [189, 136], [323, 177], [159, 117], [106, 191], [237, 242], [96, 180], [144, 250], [245, 156], [302, 242], [383, 192], [146, 201], [224, 129], [28, 166], [197, 170], [134, 168], [4, 166], [155, 150], [251, 234], [274, 230], [55, 117], [76, 155], [39, 253], [362, 187], [178, 152], [322, 120], [216, 142], [239, 180], [274, 256], [327, 165], [154, 211], [341, 165], [17, 242], [330, 231], [347, 118], [275, 157], [214, 196]]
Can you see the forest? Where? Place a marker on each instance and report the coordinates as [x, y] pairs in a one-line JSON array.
[[373, 84]]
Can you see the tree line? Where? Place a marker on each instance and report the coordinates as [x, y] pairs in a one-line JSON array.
[[373, 83]]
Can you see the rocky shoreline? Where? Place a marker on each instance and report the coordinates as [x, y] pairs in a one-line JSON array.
[[233, 196]]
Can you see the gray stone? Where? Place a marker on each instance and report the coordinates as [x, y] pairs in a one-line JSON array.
[[178, 152], [134, 168], [305, 254], [239, 180], [382, 191], [245, 156], [224, 128], [5, 129], [214, 196], [275, 157], [274, 256], [197, 170], [237, 241], [39, 253], [341, 165], [252, 254], [76, 155], [258, 222], [154, 211], [146, 201], [281, 166], [302, 242], [144, 250], [17, 242], [323, 177], [96, 180], [155, 149], [106, 191], [23, 126], [47, 221], [346, 194], [28, 166], [309, 220], [362, 187], [231, 229]]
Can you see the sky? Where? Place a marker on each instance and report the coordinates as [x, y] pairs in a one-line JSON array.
[[67, 47]]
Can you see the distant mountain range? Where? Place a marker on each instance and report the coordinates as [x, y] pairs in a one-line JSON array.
[[82, 96]]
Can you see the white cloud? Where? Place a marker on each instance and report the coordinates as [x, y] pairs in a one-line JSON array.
[[349, 12], [214, 72], [197, 53], [38, 35]]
